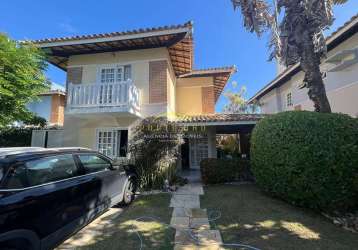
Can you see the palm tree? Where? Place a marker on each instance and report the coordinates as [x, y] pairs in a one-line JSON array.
[[298, 38]]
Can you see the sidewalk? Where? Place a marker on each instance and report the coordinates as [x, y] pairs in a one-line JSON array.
[[191, 221]]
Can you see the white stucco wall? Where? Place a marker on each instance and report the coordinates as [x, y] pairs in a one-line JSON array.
[[341, 88]]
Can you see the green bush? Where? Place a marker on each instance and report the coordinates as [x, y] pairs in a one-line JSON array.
[[15, 137], [215, 171], [154, 150], [308, 159]]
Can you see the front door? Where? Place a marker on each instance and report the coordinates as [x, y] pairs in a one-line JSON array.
[[198, 151]]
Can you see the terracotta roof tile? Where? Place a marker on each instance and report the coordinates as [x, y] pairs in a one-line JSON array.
[[221, 76], [218, 70], [220, 117], [113, 34]]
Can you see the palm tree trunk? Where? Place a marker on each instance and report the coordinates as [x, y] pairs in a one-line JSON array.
[[310, 62]]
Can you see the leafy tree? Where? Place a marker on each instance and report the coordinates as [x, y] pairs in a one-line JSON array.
[[237, 102], [298, 38], [36, 121], [21, 79]]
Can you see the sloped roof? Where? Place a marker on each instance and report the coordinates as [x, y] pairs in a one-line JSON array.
[[177, 38], [221, 76], [53, 92], [341, 34], [220, 117]]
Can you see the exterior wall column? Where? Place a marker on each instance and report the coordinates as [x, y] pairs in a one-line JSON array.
[[245, 144], [212, 153]]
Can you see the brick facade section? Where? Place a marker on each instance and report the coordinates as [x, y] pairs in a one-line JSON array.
[[208, 100], [74, 75], [57, 109], [158, 81]]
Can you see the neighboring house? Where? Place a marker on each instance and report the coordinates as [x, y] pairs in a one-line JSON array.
[[50, 105], [340, 70], [116, 79]]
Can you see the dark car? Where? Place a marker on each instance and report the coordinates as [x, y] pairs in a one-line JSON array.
[[48, 194]]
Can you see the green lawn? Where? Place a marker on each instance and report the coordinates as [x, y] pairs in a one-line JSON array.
[[250, 217], [114, 230]]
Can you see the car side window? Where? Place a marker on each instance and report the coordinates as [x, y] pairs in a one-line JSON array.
[[93, 163], [16, 178], [50, 169], [41, 171]]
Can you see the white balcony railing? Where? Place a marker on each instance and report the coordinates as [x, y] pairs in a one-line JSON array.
[[103, 97]]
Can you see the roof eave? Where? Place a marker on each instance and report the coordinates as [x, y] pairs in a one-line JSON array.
[[187, 30], [330, 42]]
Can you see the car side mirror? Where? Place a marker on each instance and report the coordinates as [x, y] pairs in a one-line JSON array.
[[116, 167]]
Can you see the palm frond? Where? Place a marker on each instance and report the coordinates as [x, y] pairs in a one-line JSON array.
[[256, 13]]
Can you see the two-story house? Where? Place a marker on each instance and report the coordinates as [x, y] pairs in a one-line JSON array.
[[115, 79], [340, 72]]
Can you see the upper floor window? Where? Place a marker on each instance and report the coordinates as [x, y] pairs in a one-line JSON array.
[[289, 102], [115, 73]]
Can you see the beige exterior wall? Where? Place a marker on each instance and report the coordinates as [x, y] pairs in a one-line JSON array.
[[138, 59], [81, 131], [184, 96], [189, 101], [189, 95], [341, 88]]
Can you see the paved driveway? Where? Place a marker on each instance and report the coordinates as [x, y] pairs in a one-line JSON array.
[[89, 233]]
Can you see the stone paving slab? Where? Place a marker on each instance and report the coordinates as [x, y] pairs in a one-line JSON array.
[[194, 247], [191, 222], [202, 239], [180, 212], [199, 223], [197, 213], [185, 247], [186, 201], [209, 237], [191, 189], [179, 222], [183, 237]]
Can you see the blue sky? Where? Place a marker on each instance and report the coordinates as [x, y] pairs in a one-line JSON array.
[[220, 39]]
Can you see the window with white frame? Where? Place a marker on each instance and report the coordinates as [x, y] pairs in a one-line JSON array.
[[289, 102], [115, 74], [112, 142]]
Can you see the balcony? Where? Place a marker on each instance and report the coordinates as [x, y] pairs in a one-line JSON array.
[[121, 97]]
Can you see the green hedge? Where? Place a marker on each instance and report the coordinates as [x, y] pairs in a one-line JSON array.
[[15, 137], [309, 159], [215, 171]]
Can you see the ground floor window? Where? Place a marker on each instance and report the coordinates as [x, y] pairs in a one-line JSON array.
[[112, 142]]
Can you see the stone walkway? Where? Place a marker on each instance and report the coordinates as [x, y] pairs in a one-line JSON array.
[[191, 222]]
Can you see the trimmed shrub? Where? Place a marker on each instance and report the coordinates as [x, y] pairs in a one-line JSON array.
[[308, 159], [15, 137], [215, 171]]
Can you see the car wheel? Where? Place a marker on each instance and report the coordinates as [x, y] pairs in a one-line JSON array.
[[129, 191]]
